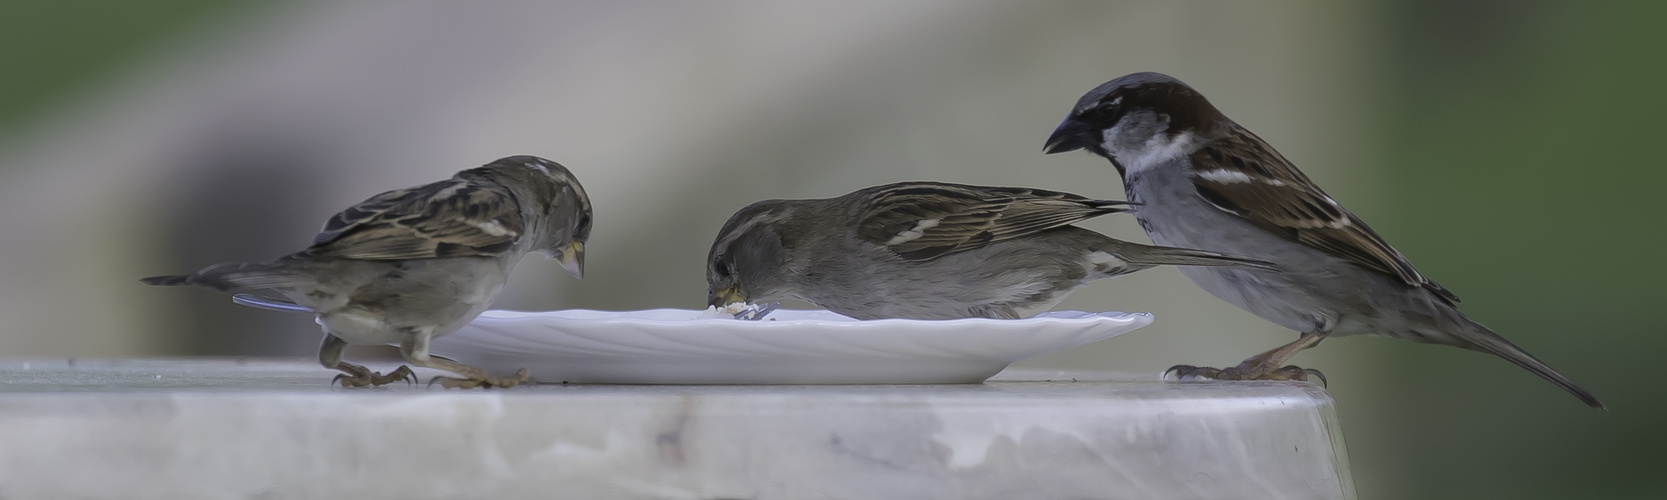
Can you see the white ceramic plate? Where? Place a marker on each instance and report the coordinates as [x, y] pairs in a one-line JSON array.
[[678, 346]]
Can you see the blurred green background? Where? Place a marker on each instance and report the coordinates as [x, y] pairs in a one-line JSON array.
[[1510, 149], [51, 51], [1524, 151]]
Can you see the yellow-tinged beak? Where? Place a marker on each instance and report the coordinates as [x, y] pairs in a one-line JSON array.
[[725, 296], [572, 258]]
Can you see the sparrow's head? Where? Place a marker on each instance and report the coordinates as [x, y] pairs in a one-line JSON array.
[[749, 260], [558, 200], [1137, 120]]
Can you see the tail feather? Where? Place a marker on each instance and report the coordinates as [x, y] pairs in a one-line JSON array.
[[175, 280], [236, 277], [268, 303], [1149, 256], [1480, 338]]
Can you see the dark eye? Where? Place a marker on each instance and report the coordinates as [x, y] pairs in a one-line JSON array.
[[1110, 108], [722, 268], [584, 225]]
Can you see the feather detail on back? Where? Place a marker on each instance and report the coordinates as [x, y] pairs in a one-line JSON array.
[[925, 220], [1242, 175], [456, 217]]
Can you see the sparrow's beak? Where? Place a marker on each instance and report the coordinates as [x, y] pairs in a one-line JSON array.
[[725, 296], [572, 258], [1071, 135]]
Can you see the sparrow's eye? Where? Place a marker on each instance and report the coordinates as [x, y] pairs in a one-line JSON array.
[[584, 225], [722, 268], [1110, 108]]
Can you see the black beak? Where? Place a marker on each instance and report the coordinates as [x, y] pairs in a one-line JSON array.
[[1070, 136]]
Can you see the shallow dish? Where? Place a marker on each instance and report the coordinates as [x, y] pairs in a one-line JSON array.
[[682, 346]]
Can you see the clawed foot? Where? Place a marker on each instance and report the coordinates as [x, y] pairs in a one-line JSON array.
[[486, 382], [358, 376], [1288, 372]]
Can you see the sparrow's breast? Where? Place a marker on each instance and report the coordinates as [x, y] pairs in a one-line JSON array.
[[390, 300], [1302, 298]]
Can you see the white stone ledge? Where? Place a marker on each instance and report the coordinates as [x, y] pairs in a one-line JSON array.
[[180, 429]]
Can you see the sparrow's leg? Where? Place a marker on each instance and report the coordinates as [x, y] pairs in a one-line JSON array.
[[330, 355], [1265, 366], [415, 349]]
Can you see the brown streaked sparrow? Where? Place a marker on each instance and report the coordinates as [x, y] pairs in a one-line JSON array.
[[928, 250], [1202, 181], [409, 265]]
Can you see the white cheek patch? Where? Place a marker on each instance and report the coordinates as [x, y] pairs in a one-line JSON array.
[[914, 233], [1108, 137], [1158, 149]]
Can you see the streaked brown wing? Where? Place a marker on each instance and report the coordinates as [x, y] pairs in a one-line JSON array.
[[924, 220], [450, 218], [1242, 175]]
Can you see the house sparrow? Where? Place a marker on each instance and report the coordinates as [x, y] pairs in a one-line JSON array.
[[409, 265], [1202, 181], [928, 250]]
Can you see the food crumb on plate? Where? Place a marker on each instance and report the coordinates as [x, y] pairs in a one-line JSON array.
[[727, 311]]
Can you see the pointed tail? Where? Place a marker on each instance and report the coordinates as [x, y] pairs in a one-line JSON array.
[[236, 277], [1476, 337], [1480, 338], [175, 280]]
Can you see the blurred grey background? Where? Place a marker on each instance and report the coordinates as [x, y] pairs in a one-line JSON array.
[[1509, 149]]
